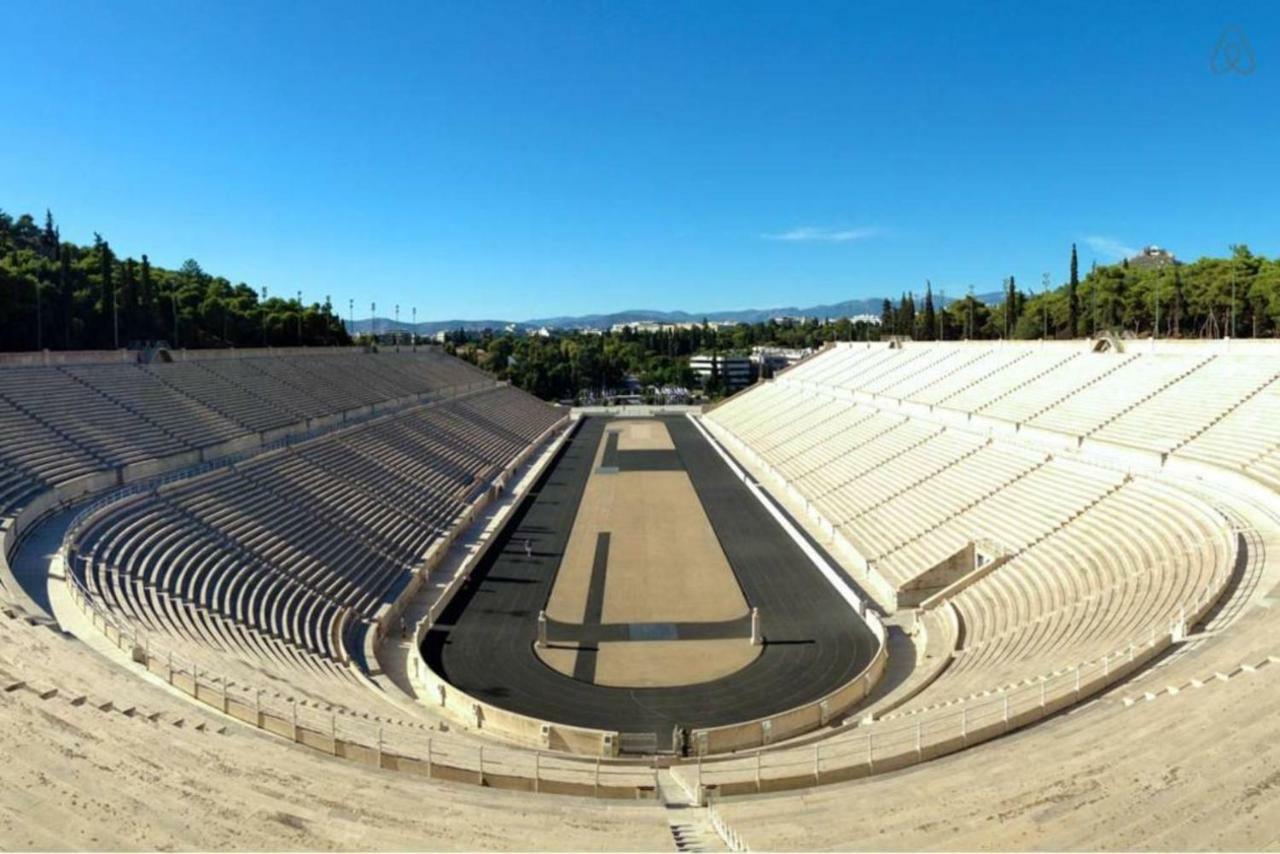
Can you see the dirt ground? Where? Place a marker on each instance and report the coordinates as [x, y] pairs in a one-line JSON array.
[[665, 565]]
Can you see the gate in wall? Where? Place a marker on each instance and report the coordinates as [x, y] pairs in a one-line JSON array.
[[645, 743]]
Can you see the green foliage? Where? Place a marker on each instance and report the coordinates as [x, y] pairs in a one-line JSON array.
[[572, 365], [59, 295]]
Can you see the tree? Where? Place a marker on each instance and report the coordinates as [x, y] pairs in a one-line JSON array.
[[1073, 297], [147, 295], [906, 317], [66, 296], [107, 314], [49, 238], [930, 325]]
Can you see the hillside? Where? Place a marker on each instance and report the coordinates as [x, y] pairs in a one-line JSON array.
[[58, 295]]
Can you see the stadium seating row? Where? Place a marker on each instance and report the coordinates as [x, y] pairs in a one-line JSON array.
[[1087, 558], [65, 422], [297, 542]]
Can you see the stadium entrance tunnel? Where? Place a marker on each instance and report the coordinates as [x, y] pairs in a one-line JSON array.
[[642, 554]]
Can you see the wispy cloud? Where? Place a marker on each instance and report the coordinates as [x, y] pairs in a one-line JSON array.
[[1109, 247], [812, 234]]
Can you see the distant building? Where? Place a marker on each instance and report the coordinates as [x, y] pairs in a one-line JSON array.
[[659, 326], [769, 360], [1153, 256], [735, 371]]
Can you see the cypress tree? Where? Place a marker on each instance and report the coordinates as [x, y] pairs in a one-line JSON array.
[[129, 298], [930, 317], [107, 292], [1008, 307], [66, 298], [147, 289], [1073, 297], [49, 238]]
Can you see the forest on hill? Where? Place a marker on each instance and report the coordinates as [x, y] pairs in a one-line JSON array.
[[1236, 296], [61, 296]]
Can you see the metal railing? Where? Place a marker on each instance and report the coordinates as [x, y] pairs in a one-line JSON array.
[[727, 834]]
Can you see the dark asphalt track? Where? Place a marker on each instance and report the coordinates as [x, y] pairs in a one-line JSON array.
[[483, 643]]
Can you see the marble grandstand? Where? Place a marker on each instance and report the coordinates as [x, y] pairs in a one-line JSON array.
[[237, 548]]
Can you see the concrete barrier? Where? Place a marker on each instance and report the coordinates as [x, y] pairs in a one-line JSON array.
[[992, 426], [764, 731], [146, 469], [231, 446], [1052, 439], [1126, 456]]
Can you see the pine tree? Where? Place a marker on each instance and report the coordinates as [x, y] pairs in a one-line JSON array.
[[887, 320], [1073, 297]]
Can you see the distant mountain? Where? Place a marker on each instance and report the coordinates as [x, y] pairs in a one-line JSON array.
[[848, 308]]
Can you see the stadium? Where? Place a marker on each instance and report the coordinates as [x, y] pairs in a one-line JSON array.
[[374, 597]]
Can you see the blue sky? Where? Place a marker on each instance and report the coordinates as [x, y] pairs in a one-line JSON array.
[[521, 160]]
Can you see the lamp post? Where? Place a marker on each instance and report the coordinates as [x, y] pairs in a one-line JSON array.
[[351, 319], [373, 323], [299, 317], [414, 339], [264, 315], [397, 332]]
